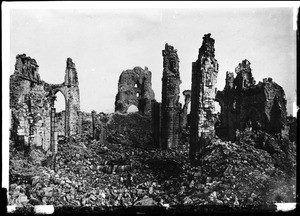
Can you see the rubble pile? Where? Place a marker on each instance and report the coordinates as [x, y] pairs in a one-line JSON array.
[[125, 170]]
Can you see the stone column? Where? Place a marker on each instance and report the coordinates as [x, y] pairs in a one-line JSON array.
[[170, 107], [204, 78], [94, 124], [73, 99], [53, 136]]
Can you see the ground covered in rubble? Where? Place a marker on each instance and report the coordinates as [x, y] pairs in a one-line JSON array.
[[124, 170]]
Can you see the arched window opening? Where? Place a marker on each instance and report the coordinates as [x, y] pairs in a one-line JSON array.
[[60, 106]]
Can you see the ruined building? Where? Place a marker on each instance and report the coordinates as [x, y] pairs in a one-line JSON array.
[[166, 115], [135, 88], [170, 106], [204, 78], [34, 121], [245, 104]]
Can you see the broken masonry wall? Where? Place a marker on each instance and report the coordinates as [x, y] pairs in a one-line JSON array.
[[247, 105], [204, 79], [71, 89], [29, 105], [98, 126], [61, 122], [135, 88], [156, 124], [31, 100], [170, 106]]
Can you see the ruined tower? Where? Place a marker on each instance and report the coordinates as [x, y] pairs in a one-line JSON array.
[[204, 78], [245, 104], [170, 107], [71, 91]]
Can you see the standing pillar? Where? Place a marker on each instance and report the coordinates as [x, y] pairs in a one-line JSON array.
[[204, 78], [170, 107], [53, 135], [94, 124]]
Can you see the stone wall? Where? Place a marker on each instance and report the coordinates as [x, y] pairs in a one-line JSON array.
[[135, 88], [31, 100], [204, 78], [170, 106], [246, 104], [29, 104]]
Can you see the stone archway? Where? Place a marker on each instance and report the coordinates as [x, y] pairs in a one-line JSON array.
[[60, 116]]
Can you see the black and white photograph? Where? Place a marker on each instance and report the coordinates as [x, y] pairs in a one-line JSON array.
[[149, 107]]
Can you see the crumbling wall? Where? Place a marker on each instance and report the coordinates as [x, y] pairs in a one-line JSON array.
[[29, 104], [135, 88], [170, 106], [32, 99], [204, 78], [245, 104]]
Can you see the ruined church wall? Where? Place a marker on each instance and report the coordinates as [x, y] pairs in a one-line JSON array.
[[170, 106], [204, 78], [135, 88], [30, 109], [31, 101]]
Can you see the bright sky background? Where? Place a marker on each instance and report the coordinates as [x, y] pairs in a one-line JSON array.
[[104, 42]]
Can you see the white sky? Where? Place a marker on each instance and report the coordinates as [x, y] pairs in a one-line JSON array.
[[104, 42]]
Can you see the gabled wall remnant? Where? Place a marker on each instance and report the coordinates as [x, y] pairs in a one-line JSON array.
[[170, 106], [31, 102], [204, 78], [134, 88], [244, 104]]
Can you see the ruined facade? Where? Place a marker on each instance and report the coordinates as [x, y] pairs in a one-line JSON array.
[[135, 88], [170, 106], [245, 104], [33, 118], [204, 78]]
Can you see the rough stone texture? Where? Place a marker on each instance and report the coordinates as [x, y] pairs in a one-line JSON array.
[[204, 78], [61, 122], [156, 124], [31, 100], [98, 127], [244, 104], [70, 90], [184, 114], [30, 108], [170, 107], [135, 88]]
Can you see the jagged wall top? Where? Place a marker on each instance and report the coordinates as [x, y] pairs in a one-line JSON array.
[[171, 61], [71, 77], [27, 67], [208, 46]]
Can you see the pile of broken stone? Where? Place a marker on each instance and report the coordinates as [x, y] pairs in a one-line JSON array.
[[114, 172]]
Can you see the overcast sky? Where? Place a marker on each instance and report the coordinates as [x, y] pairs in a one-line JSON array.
[[105, 42]]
